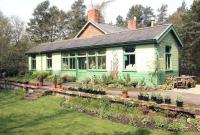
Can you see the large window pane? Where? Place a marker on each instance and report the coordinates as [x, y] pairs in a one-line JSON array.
[[92, 62], [82, 63], [72, 63], [65, 63], [101, 62]]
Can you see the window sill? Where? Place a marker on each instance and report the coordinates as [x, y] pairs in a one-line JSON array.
[[129, 70], [68, 69], [97, 70]]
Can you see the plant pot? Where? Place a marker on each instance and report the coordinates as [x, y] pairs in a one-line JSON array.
[[124, 94], [153, 98], [159, 101], [167, 101], [54, 85], [140, 97], [179, 104], [145, 98]]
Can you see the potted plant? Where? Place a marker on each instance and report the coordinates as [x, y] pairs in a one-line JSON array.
[[179, 102], [124, 93], [54, 81], [153, 97], [167, 99], [159, 99], [140, 96], [146, 97], [59, 83]]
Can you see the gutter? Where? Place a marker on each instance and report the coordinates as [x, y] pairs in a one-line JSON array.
[[142, 42]]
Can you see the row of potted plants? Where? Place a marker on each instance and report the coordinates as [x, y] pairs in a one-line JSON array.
[[92, 89], [159, 99]]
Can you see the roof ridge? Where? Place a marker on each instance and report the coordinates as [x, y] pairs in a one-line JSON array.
[[128, 30]]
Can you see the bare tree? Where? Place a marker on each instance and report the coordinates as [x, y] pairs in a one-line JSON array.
[[17, 29]]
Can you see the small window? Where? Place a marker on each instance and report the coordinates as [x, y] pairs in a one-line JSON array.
[[81, 53], [91, 53], [33, 62], [49, 61], [129, 58], [168, 55], [102, 52]]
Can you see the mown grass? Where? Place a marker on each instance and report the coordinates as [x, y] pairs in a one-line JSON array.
[[45, 116]]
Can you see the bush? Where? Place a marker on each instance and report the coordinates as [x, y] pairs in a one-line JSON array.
[[40, 76], [195, 123], [68, 78], [106, 79], [177, 125], [160, 122]]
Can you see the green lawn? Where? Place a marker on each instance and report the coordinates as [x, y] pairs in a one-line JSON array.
[[45, 116]]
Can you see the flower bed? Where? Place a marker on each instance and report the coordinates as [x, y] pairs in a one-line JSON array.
[[131, 114]]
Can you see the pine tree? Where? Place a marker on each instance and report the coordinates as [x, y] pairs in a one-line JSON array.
[[136, 11], [76, 18], [162, 14], [120, 22]]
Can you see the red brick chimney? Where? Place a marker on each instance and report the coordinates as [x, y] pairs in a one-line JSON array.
[[132, 24], [94, 15]]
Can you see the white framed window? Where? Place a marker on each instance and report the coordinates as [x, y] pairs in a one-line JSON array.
[[129, 58], [49, 61], [168, 58], [33, 62]]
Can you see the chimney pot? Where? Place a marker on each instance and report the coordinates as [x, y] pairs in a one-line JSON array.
[[94, 15], [132, 24]]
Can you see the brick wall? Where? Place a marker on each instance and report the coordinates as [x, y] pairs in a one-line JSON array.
[[91, 31]]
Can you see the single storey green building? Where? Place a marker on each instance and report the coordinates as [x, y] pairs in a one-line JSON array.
[[99, 48]]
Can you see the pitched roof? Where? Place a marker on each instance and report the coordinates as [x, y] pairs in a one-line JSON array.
[[134, 36], [105, 28]]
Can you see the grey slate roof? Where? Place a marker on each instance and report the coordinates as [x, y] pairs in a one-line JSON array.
[[110, 28], [142, 34]]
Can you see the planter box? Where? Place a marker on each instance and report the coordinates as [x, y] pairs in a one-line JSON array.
[[140, 97], [153, 98], [179, 104], [167, 101], [159, 101], [146, 98]]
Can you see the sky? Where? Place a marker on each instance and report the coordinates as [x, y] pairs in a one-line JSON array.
[[24, 8]]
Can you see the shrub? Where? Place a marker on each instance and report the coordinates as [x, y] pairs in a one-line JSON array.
[[67, 78], [177, 125], [160, 122], [107, 79], [195, 123], [86, 80], [40, 76], [142, 82], [145, 121]]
